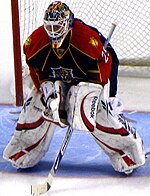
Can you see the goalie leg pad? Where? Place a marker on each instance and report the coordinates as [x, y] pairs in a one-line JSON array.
[[88, 108], [32, 136], [120, 142], [126, 153], [81, 105]]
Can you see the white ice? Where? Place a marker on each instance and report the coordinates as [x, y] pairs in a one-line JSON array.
[[20, 185]]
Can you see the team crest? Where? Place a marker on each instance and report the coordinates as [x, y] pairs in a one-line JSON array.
[[64, 74], [28, 41], [93, 42]]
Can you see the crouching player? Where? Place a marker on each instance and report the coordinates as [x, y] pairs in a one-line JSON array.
[[70, 69]]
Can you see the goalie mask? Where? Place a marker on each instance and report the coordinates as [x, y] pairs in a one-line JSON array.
[[58, 19]]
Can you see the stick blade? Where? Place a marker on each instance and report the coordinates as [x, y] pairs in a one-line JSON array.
[[39, 189]]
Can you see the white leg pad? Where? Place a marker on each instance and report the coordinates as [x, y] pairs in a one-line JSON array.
[[88, 108], [81, 105], [32, 136], [123, 145]]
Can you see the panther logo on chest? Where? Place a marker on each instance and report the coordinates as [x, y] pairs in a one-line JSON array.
[[64, 74]]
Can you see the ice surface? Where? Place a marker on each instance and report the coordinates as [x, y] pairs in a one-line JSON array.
[[84, 169]]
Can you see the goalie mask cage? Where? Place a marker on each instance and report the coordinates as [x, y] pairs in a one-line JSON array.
[[131, 39]]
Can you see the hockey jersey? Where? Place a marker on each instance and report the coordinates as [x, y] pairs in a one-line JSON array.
[[81, 56]]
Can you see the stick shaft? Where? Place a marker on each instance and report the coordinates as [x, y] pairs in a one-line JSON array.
[[109, 35], [60, 153], [43, 188]]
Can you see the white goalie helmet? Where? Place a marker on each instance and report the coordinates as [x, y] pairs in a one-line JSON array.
[[58, 19]]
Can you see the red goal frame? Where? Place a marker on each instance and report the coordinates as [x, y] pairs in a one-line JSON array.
[[17, 53]]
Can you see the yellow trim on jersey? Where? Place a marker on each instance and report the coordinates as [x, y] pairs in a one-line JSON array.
[[76, 62], [93, 71], [60, 56], [95, 81], [38, 51], [83, 52], [46, 60], [96, 71]]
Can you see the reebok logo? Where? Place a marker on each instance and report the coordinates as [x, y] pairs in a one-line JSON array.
[[93, 107]]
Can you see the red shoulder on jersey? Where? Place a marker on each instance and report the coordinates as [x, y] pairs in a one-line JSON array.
[[35, 42], [86, 39]]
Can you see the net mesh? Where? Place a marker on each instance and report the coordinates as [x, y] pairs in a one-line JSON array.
[[131, 38]]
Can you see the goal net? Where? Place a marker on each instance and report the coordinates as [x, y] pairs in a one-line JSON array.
[[131, 38]]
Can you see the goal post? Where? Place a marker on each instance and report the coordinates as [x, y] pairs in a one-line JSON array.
[[17, 53]]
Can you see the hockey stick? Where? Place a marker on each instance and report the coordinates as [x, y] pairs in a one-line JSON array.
[[109, 35], [43, 188]]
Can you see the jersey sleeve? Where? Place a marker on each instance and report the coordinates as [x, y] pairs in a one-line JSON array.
[[105, 65], [88, 40], [34, 78], [33, 44]]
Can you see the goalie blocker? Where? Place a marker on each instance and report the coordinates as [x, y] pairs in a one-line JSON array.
[[87, 108]]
